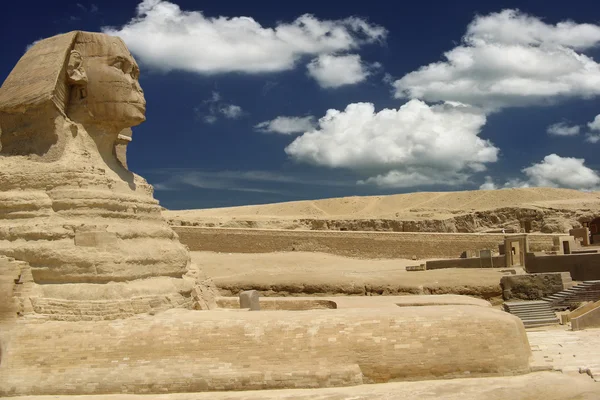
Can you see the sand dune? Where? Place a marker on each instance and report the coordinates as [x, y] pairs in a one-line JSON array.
[[558, 205]]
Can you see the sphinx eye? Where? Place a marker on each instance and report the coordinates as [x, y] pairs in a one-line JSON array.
[[118, 64]]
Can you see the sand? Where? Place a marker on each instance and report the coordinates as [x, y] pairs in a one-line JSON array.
[[549, 209]]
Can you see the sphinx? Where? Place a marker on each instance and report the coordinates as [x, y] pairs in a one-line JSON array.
[[83, 243], [75, 224]]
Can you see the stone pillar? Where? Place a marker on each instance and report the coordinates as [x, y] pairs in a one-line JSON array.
[[250, 299]]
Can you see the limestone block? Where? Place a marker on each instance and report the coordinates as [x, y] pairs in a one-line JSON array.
[[101, 239], [250, 299], [180, 351]]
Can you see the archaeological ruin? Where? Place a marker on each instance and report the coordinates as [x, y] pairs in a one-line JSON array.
[[99, 294]]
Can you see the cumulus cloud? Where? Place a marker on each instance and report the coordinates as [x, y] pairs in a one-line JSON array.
[[488, 184], [557, 171], [165, 37], [511, 59], [332, 71], [595, 124], [287, 125], [563, 129], [414, 145], [213, 108]]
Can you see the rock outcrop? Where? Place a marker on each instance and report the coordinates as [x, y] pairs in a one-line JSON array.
[[545, 210]]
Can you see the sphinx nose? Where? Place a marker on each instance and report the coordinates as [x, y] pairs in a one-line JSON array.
[[137, 87]]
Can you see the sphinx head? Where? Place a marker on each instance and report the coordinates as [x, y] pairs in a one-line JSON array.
[[82, 77], [103, 80]]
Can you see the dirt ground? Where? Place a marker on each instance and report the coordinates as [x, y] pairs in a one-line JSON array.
[[303, 273]]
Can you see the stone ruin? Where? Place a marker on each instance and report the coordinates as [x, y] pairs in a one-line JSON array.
[[83, 249]]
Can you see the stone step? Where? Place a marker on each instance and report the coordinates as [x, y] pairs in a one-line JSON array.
[[541, 322], [523, 303], [530, 313], [517, 309], [534, 316], [540, 304]]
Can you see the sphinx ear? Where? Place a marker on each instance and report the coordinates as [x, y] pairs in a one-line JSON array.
[[75, 73]]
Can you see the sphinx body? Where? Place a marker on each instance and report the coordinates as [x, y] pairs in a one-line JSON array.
[[78, 224]]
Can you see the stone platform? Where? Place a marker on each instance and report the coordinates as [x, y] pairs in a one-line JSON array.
[[193, 351]]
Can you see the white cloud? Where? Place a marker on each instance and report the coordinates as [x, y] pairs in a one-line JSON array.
[[557, 171], [209, 119], [414, 145], [488, 184], [287, 125], [563, 129], [165, 37], [242, 181], [510, 59], [595, 124], [591, 138], [231, 111], [332, 71], [212, 108]]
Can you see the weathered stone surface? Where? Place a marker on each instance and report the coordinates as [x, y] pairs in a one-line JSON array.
[[530, 286], [250, 299], [69, 207], [188, 351]]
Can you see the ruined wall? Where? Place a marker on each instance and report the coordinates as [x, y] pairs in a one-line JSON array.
[[183, 350], [350, 244], [583, 267], [531, 286], [494, 262]]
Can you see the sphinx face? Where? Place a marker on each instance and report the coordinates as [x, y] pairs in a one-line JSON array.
[[112, 95]]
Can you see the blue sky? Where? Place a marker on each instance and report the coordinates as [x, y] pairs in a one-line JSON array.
[[429, 96]]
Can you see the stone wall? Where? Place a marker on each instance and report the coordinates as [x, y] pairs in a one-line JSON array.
[[191, 351], [589, 319], [475, 262], [349, 244], [583, 267], [531, 286]]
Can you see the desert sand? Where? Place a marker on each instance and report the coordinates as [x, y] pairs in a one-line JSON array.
[[549, 210]]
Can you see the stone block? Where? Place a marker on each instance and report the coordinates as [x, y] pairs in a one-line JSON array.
[[100, 239], [250, 299], [485, 253], [530, 286]]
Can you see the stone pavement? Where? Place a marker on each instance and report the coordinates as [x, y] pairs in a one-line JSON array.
[[559, 348], [540, 385]]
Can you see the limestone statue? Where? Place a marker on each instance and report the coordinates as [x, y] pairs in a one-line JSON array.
[[70, 210]]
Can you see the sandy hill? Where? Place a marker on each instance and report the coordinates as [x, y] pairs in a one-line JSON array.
[[546, 209]]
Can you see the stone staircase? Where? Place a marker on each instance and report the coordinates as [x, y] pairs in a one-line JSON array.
[[532, 313], [584, 291]]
